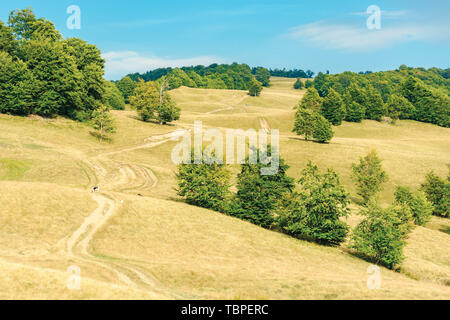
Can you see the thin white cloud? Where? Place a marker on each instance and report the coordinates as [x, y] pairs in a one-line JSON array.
[[385, 13], [120, 63], [348, 37]]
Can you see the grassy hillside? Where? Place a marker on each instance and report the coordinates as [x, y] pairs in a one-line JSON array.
[[155, 246]]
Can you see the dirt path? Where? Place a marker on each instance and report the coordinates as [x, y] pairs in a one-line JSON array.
[[78, 243], [230, 107], [264, 124]]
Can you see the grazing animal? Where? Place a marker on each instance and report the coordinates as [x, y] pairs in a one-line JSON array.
[[95, 189]]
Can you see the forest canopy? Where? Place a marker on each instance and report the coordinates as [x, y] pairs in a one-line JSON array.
[[406, 93], [44, 74]]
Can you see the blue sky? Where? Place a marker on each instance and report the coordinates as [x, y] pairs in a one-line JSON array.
[[136, 36]]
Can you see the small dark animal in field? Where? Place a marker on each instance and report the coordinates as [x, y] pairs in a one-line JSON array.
[[95, 189], [140, 195]]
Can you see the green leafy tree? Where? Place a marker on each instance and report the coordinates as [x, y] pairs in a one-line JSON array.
[[178, 78], [103, 122], [299, 84], [333, 108], [355, 112], [323, 131], [22, 23], [311, 100], [63, 77], [114, 97], [309, 84], [420, 207], [126, 86], [204, 185], [58, 78], [399, 107], [152, 102], [7, 41], [17, 86], [321, 84], [437, 191], [311, 124], [356, 94], [254, 88], [369, 176], [375, 107], [146, 100], [381, 236], [259, 195], [305, 121], [263, 76], [314, 212], [167, 110]]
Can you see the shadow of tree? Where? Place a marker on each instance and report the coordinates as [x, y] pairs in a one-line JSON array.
[[99, 136], [311, 141]]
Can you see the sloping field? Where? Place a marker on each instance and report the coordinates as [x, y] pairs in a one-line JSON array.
[[135, 239]]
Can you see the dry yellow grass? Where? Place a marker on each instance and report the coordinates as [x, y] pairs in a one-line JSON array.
[[47, 168], [208, 255]]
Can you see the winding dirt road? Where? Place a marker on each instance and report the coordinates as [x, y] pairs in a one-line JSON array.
[[132, 177]]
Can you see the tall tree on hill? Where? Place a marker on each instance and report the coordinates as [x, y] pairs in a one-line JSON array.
[[399, 107], [17, 86], [60, 81], [7, 41], [263, 76], [369, 176], [151, 103], [259, 195], [381, 235], [312, 124], [355, 112], [323, 131], [21, 22], [204, 185], [375, 107], [62, 77], [437, 191], [103, 122], [311, 100], [320, 83], [333, 108], [114, 97], [126, 86], [254, 88], [421, 208], [315, 211], [299, 84]]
